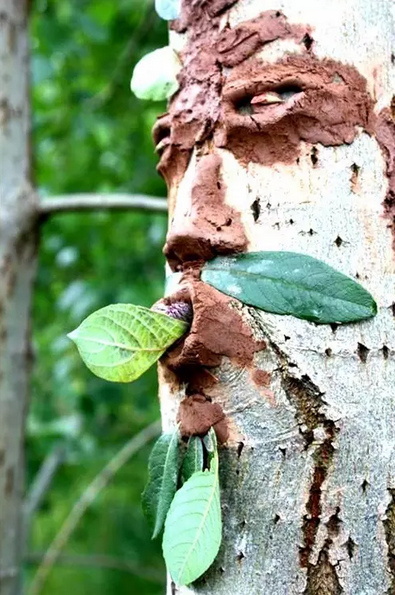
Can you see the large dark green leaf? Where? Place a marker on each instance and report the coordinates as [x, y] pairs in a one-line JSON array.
[[290, 283], [162, 481]]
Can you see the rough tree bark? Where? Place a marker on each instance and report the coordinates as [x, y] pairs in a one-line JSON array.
[[282, 138], [18, 241]]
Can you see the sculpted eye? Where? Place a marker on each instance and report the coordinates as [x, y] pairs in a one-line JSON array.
[[279, 95], [254, 102]]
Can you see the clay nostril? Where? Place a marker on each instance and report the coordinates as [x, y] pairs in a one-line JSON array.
[[182, 249]]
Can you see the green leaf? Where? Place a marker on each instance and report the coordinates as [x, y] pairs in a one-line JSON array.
[[122, 341], [193, 528], [168, 9], [291, 283], [162, 480], [193, 460], [155, 75], [210, 441]]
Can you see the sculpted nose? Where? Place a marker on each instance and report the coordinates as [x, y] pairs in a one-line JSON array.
[[203, 224]]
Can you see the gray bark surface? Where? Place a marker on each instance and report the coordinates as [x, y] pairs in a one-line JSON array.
[[308, 479], [17, 267]]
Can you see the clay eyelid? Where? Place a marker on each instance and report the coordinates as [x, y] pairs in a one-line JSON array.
[[285, 89]]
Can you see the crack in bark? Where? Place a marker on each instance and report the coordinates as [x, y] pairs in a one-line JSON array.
[[322, 577], [306, 397], [389, 528]]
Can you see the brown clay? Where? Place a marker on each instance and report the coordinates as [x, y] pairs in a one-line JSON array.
[[324, 102], [217, 330], [212, 227], [385, 133], [196, 415], [261, 112]]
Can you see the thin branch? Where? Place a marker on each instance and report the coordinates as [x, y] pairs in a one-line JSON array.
[[43, 480], [69, 203], [101, 561], [86, 499]]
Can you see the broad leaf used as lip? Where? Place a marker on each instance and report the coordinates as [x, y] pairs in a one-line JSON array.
[[168, 9], [193, 527], [155, 75], [120, 342], [291, 283], [162, 482]]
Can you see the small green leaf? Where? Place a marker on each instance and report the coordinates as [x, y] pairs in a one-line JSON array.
[[168, 9], [193, 460], [193, 528], [122, 341], [162, 480], [291, 283], [155, 75]]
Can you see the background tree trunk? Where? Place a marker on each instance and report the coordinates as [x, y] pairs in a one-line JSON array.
[[308, 473], [18, 243]]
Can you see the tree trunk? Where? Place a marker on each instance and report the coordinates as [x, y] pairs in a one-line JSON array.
[[17, 266], [282, 138]]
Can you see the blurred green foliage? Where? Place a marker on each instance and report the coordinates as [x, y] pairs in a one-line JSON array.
[[90, 134]]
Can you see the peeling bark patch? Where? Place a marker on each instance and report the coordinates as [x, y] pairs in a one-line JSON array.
[[389, 528], [307, 399], [323, 457], [212, 227], [322, 578]]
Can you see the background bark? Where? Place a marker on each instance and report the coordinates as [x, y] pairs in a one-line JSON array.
[[308, 476], [17, 267]]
